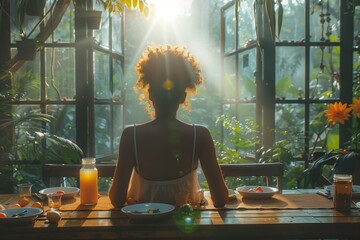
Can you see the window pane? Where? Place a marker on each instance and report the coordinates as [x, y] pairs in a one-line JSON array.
[[290, 125], [62, 86], [241, 117], [320, 137], [290, 72], [27, 80], [229, 110], [246, 24], [356, 80], [230, 77], [230, 30], [116, 32], [102, 35], [327, 26], [102, 86], [103, 130], [118, 80], [65, 32], [292, 29], [64, 121], [118, 126], [25, 137], [324, 83], [247, 68], [246, 112]]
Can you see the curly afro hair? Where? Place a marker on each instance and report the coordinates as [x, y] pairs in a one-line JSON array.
[[165, 74]]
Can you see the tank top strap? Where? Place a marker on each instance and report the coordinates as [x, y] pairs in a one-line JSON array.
[[194, 145], [136, 152]]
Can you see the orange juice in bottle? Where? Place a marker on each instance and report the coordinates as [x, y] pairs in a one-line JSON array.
[[88, 182]]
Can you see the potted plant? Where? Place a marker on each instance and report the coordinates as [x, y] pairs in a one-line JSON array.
[[27, 49], [35, 7], [27, 46]]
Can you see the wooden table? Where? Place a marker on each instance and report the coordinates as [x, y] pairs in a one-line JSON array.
[[264, 222]]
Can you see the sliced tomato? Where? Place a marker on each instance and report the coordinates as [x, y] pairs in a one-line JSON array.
[[61, 192]]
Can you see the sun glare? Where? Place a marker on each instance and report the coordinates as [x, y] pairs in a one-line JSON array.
[[169, 9]]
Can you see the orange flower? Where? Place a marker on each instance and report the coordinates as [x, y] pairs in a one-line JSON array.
[[355, 107], [337, 112]]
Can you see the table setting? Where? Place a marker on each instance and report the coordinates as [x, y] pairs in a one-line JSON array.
[[305, 208]]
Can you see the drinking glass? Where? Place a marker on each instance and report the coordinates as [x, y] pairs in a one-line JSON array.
[[342, 192], [24, 189], [54, 201]]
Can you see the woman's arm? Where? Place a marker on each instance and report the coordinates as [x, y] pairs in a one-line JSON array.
[[123, 170], [211, 168]]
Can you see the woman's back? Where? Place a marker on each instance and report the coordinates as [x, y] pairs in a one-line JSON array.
[[171, 147]]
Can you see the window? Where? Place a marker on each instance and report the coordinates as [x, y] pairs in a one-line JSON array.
[[77, 77], [286, 85]]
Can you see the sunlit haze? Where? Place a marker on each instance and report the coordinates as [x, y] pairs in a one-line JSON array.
[[168, 10], [180, 22]]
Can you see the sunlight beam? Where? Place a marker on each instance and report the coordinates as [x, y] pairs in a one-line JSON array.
[[169, 10]]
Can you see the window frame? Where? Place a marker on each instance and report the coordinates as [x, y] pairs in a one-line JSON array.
[[266, 99]]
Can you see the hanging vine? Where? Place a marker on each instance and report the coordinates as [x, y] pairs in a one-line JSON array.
[[323, 7]]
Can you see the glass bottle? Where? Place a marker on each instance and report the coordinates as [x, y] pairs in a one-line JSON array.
[[88, 182]]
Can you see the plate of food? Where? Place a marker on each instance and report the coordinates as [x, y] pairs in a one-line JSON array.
[[19, 215], [148, 211], [257, 192], [68, 192], [355, 190]]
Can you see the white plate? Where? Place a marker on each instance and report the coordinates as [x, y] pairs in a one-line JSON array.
[[355, 193], [246, 192], [70, 192], [148, 211], [20, 215]]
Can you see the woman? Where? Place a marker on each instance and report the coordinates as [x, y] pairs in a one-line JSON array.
[[158, 159]]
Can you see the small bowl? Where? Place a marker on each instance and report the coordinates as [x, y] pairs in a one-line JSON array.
[[69, 192], [246, 192]]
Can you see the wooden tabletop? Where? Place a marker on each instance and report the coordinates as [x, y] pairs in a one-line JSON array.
[[227, 223]]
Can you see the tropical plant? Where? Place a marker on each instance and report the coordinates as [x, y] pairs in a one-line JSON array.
[[272, 13], [27, 139], [243, 146], [240, 142]]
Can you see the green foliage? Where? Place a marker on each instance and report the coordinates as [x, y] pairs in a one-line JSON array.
[[285, 85], [30, 138], [240, 141], [279, 152], [243, 145], [248, 84]]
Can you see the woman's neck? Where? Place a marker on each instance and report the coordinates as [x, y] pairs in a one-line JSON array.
[[168, 114], [165, 116]]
